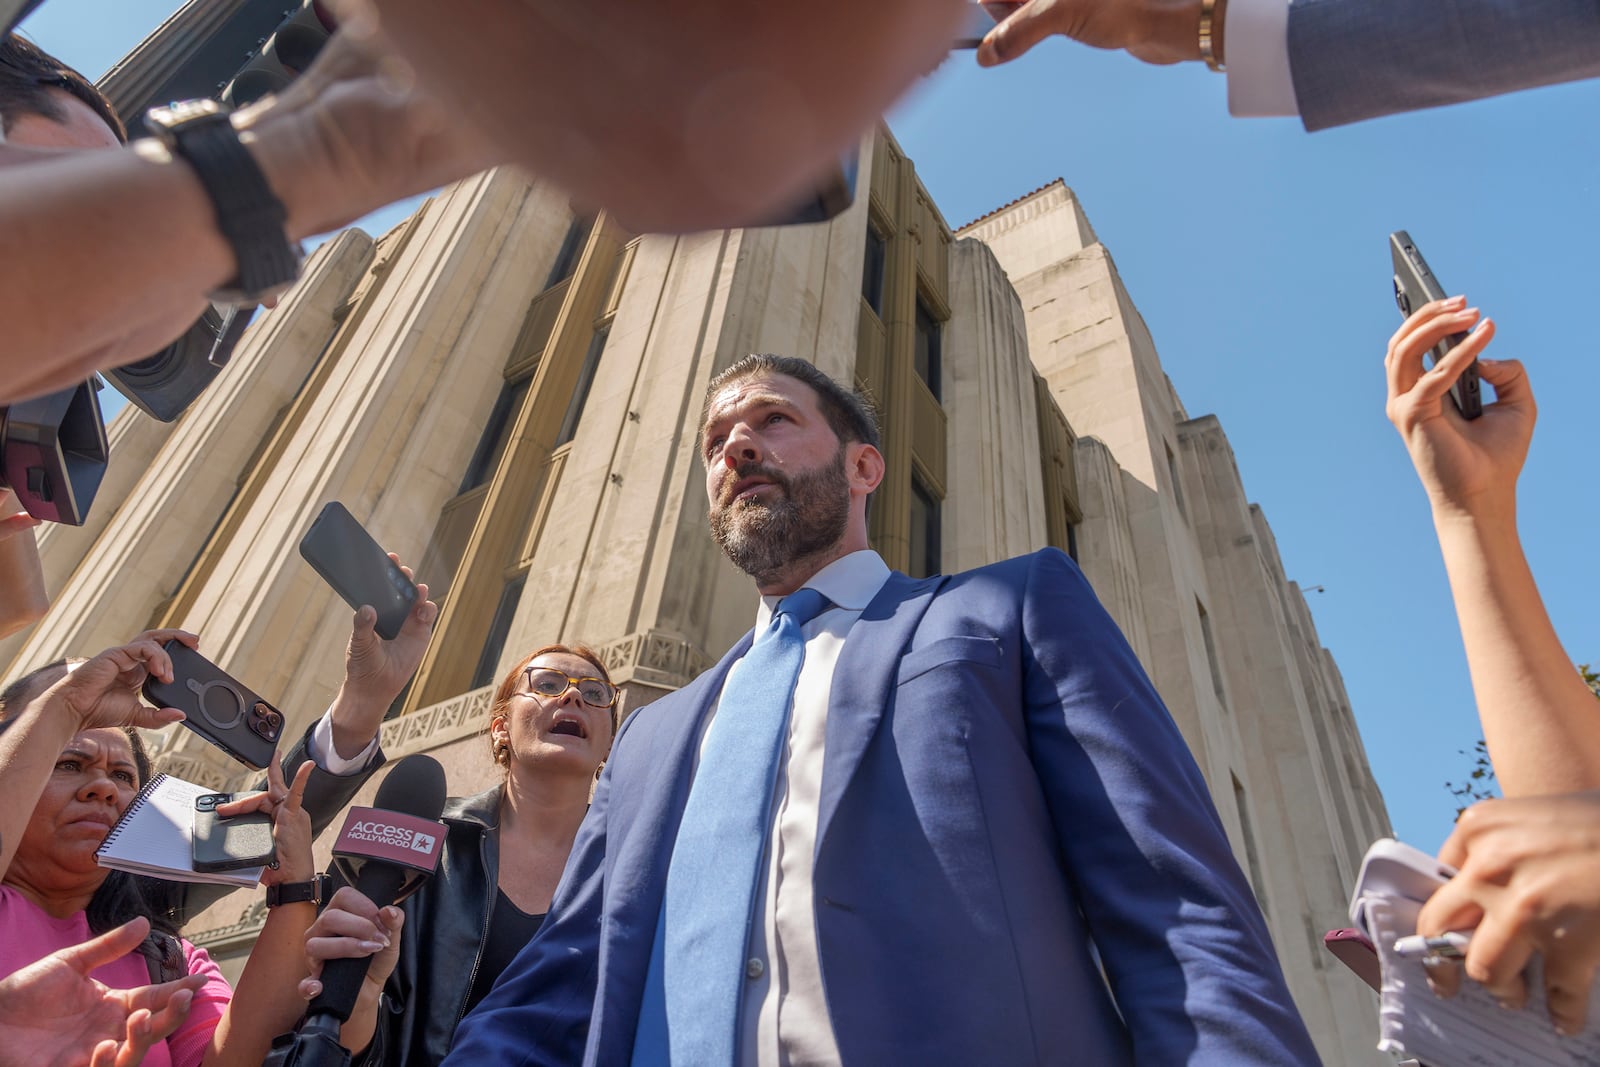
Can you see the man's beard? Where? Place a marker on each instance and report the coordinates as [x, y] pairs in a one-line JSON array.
[[804, 515]]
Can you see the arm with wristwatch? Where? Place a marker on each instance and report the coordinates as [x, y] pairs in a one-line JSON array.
[[114, 253]]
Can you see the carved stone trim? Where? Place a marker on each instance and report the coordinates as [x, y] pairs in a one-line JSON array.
[[245, 930], [655, 657], [438, 724]]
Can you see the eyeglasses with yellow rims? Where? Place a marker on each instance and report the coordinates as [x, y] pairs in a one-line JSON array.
[[549, 682]]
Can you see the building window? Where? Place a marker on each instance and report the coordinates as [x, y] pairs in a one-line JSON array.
[[1212, 663], [571, 250], [930, 341], [1072, 541], [1177, 485], [1250, 852], [872, 271], [496, 435], [580, 392], [925, 507], [499, 630]]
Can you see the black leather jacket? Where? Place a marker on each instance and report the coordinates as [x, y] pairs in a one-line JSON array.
[[442, 941]]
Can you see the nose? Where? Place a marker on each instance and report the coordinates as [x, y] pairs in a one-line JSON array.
[[99, 786], [740, 447]]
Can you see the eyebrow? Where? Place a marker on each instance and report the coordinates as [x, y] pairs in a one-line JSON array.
[[81, 754]]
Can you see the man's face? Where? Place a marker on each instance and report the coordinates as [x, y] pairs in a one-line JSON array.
[[775, 475], [81, 128]]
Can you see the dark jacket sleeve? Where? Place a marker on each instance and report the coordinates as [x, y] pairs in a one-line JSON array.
[[326, 796], [1181, 938], [538, 1012]]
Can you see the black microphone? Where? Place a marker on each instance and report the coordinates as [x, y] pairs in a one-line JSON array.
[[386, 852]]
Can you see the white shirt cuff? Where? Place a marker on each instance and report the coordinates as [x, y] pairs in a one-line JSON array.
[[1256, 39], [323, 754]]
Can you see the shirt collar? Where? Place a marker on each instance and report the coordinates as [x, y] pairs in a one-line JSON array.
[[850, 582]]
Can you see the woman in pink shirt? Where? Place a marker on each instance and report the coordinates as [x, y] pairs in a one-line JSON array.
[[70, 763]]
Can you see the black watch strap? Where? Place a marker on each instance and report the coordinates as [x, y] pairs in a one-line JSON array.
[[317, 891], [249, 215]]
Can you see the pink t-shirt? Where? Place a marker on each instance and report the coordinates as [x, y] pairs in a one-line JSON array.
[[28, 934]]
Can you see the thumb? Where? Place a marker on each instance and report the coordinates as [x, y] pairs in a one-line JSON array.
[[363, 630], [1026, 27], [15, 524]]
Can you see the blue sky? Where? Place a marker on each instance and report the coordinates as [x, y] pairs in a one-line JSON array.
[[1257, 255]]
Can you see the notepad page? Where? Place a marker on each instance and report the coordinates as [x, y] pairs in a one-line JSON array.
[[1469, 1029], [156, 837]]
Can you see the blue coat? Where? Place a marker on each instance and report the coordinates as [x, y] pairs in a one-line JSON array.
[[1002, 785]]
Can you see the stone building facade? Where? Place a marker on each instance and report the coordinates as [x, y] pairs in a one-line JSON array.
[[505, 393]]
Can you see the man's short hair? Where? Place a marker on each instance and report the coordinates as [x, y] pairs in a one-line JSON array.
[[28, 73], [851, 415]]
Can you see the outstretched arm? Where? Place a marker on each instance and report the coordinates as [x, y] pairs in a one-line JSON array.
[[1540, 721], [122, 244]]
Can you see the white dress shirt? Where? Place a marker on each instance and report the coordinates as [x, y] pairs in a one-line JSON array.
[[784, 1019], [1256, 44], [323, 754]]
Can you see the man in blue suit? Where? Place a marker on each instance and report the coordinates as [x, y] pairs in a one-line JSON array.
[[983, 840], [1333, 62]]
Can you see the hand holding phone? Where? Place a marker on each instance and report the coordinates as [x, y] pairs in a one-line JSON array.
[[358, 568], [1414, 286], [227, 843]]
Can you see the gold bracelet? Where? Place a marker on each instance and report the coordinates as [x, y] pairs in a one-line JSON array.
[[1208, 51]]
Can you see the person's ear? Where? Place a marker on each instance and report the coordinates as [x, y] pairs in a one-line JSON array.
[[864, 467]]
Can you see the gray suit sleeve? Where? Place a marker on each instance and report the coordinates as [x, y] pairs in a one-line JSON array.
[[1360, 59]]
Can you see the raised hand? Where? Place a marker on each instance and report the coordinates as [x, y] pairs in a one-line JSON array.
[[105, 691], [376, 671], [291, 825], [1156, 31], [1468, 468], [53, 1014]]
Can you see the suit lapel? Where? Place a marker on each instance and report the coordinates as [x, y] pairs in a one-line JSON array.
[[862, 681]]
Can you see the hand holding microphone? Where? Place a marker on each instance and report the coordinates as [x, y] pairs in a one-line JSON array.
[[385, 852]]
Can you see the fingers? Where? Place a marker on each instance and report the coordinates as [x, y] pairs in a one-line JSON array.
[[1496, 958], [362, 627], [1510, 381], [1418, 335], [1026, 27], [107, 948], [344, 935], [1444, 977], [156, 998], [297, 788], [1567, 980], [1437, 382]]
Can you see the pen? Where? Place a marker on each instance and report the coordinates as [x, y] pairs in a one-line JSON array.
[[1451, 946]]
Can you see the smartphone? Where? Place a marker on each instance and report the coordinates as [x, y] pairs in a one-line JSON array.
[[981, 18], [227, 844], [218, 707], [1414, 286], [1353, 949], [359, 570]]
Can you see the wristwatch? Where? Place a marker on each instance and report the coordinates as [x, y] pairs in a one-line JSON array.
[[317, 891], [249, 214]]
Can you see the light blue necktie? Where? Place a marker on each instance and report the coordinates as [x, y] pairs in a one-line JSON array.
[[690, 1013]]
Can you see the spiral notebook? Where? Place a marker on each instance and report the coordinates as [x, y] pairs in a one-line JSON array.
[[155, 836]]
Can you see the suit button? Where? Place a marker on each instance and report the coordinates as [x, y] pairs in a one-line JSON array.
[[754, 968]]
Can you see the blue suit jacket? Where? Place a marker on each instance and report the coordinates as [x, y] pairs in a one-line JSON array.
[[1001, 786], [1358, 59]]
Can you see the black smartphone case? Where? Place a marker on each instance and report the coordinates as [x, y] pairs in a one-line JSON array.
[[228, 844], [1414, 286], [358, 569], [217, 707]]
